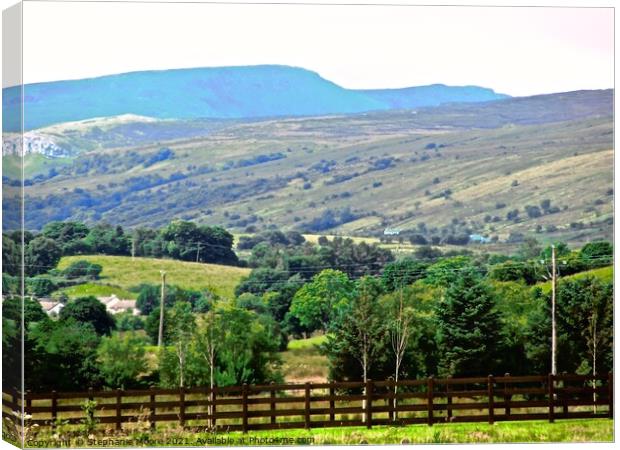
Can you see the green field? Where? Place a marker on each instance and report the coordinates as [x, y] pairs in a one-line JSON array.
[[98, 290], [125, 273], [302, 361], [605, 274], [595, 430], [591, 430]]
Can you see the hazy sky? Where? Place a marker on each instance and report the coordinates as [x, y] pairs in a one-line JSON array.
[[518, 51]]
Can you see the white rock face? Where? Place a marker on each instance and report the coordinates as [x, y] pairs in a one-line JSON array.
[[33, 143]]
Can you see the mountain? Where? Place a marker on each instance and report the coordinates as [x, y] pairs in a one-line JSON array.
[[219, 92], [433, 95]]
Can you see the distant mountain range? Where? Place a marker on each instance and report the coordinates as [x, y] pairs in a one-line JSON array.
[[219, 92]]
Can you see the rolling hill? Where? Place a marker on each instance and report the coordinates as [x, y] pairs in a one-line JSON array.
[[123, 273], [442, 172], [218, 92]]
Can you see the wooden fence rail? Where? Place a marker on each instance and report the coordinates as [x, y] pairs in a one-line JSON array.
[[336, 404]]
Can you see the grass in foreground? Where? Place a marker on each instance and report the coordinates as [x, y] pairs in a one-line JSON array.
[[125, 273], [595, 430], [585, 430]]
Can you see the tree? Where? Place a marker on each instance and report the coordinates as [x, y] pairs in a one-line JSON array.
[[69, 236], [597, 253], [318, 303], [11, 256], [443, 272], [467, 327], [82, 269], [42, 254], [89, 310], [361, 330], [122, 360], [402, 273], [400, 329], [109, 240], [208, 340], [530, 248], [181, 325], [62, 355]]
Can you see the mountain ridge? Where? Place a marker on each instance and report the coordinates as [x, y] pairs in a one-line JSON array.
[[216, 92]]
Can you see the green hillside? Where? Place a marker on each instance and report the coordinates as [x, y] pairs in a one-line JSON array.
[[605, 274], [438, 171], [124, 273]]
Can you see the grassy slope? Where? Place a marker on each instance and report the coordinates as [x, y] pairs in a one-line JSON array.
[[121, 271], [479, 166], [605, 274], [98, 290]]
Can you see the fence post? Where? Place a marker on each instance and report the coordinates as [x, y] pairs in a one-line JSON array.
[[448, 399], [391, 386], [213, 406], [507, 397], [610, 386], [564, 398], [368, 412], [182, 406], [332, 402], [491, 395], [550, 382], [28, 402], [307, 406], [152, 408], [14, 401], [54, 407], [272, 405], [119, 399], [244, 399], [429, 395]]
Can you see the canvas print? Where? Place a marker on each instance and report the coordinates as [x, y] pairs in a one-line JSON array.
[[231, 224]]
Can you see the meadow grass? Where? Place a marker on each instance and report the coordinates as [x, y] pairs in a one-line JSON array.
[[579, 430], [303, 362], [98, 290], [125, 273], [604, 274]]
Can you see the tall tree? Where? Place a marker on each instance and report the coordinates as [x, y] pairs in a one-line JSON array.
[[323, 300], [468, 327], [89, 310]]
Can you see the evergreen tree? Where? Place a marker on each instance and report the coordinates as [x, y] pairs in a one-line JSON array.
[[468, 327]]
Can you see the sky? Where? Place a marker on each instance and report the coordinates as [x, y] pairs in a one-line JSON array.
[[517, 51]]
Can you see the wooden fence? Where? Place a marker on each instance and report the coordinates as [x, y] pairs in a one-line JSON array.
[[336, 404]]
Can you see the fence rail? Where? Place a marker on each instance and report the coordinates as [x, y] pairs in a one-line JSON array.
[[336, 404]]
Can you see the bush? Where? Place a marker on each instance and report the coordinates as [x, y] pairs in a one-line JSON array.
[[82, 269]]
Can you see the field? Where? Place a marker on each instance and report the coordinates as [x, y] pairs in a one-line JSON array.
[[604, 274], [596, 430], [302, 362], [125, 273], [593, 430]]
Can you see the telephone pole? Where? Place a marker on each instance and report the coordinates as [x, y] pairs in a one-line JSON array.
[[198, 253], [133, 248], [160, 339], [553, 329]]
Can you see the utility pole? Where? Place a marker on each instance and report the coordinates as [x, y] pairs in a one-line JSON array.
[[160, 339], [198, 252], [553, 328], [133, 248]]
